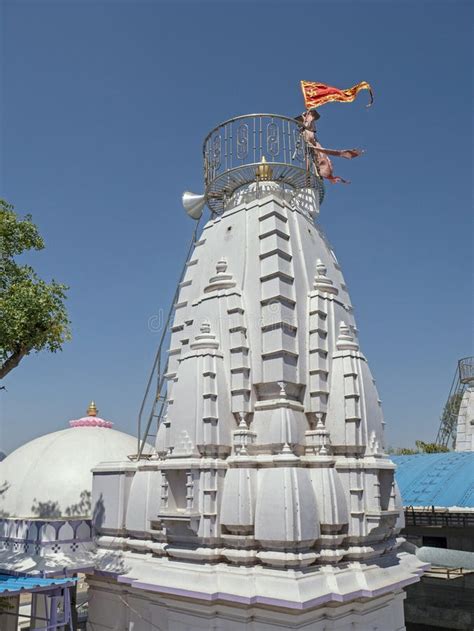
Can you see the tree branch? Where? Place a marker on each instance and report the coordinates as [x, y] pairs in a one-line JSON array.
[[12, 362]]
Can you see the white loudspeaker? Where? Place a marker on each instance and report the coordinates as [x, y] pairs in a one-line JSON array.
[[193, 204]]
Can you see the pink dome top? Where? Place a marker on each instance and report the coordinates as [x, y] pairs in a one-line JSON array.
[[91, 420]]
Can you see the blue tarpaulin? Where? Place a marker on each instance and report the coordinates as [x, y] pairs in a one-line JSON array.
[[444, 479], [10, 585]]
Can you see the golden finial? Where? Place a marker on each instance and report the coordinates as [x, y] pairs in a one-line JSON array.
[[264, 170], [92, 409]]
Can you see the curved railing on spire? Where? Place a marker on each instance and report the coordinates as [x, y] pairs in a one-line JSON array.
[[234, 150], [466, 369]]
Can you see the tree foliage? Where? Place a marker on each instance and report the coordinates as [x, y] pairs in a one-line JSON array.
[[430, 448], [33, 316], [421, 448], [403, 451]]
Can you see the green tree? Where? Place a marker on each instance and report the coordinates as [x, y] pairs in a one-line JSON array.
[[405, 451], [421, 448], [33, 316], [449, 417], [430, 448]]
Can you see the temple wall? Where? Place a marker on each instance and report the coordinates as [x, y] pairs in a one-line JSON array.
[[115, 606]]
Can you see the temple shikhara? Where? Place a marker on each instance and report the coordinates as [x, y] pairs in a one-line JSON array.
[[268, 501]]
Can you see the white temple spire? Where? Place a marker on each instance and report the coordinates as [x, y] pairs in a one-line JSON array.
[[272, 492]]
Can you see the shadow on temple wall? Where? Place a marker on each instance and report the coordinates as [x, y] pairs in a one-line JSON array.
[[83, 507], [52, 509], [4, 486], [46, 510], [389, 559], [110, 560], [98, 515]]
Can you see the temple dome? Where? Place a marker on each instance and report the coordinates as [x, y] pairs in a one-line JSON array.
[[50, 476]]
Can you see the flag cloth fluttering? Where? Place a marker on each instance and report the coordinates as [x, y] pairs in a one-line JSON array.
[[316, 94]]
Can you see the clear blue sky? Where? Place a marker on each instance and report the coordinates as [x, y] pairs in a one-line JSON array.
[[104, 109]]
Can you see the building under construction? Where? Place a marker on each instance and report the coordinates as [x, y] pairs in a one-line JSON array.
[[438, 498]]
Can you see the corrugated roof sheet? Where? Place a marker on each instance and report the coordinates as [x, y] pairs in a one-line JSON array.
[[15, 584], [445, 479]]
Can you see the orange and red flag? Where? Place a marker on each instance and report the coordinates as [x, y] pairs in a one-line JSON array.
[[316, 94]]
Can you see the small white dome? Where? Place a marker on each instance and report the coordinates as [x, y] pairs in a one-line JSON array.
[[50, 477]]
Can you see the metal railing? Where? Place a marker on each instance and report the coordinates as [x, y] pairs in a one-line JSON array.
[[466, 369], [234, 149], [438, 518]]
